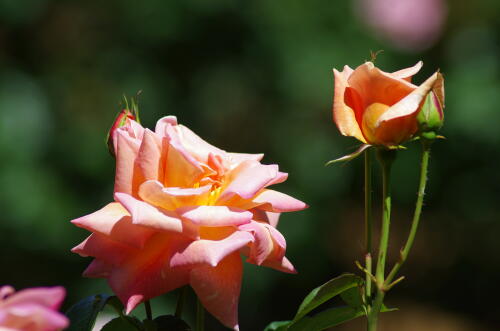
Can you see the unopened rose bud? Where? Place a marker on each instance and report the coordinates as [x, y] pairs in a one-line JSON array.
[[120, 120], [431, 115]]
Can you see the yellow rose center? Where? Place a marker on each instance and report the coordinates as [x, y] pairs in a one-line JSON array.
[[370, 117]]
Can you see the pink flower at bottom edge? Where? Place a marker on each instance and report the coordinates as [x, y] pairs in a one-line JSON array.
[[33, 309], [184, 213]]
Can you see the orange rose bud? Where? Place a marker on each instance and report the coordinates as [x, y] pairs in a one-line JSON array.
[[121, 120], [377, 107]]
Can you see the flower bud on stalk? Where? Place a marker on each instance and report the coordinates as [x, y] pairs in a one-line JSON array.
[[120, 120], [431, 116]]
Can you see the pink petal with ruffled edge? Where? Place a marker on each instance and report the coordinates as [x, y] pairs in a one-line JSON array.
[[246, 180], [114, 221], [126, 153], [146, 215], [170, 198], [215, 215], [146, 274], [105, 249], [219, 289], [274, 201], [150, 158], [210, 252], [183, 170], [269, 243], [161, 125]]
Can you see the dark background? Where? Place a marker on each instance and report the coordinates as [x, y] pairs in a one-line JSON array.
[[252, 76]]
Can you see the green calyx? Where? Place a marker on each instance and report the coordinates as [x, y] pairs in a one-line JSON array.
[[430, 118]]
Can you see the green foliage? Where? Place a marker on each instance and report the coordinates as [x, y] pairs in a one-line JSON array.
[[123, 323], [82, 315], [326, 292]]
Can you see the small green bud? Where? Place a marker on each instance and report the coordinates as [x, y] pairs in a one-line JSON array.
[[431, 116]]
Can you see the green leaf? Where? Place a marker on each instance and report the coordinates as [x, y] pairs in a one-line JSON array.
[[327, 291], [82, 315], [326, 319], [171, 323], [122, 323], [352, 297], [277, 326], [349, 157]]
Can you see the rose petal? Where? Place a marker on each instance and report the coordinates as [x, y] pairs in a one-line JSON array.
[[163, 123], [103, 248], [114, 221], [407, 73], [210, 252], [170, 198], [375, 86], [126, 178], [343, 115], [150, 158], [274, 201], [215, 215], [50, 297], [183, 170], [411, 102], [146, 273], [146, 215], [283, 265], [246, 180], [218, 289]]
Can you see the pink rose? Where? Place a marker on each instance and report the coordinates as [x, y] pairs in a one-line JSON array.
[[408, 24], [33, 309], [184, 212]]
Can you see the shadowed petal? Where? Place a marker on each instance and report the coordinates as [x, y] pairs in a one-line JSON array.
[[105, 249], [218, 289], [210, 252], [146, 274]]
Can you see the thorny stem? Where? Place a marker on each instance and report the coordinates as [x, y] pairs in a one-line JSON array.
[[386, 158], [416, 216]]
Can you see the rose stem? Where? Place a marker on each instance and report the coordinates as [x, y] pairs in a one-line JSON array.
[[180, 302], [200, 316], [368, 223], [149, 314], [426, 149], [386, 158]]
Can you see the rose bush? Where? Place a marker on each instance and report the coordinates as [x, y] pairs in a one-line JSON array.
[[33, 309], [380, 108], [184, 211]]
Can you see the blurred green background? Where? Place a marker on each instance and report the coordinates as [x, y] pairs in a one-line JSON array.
[[251, 76]]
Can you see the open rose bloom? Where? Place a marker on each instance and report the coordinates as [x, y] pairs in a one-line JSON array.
[[33, 309], [380, 108], [184, 212]]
